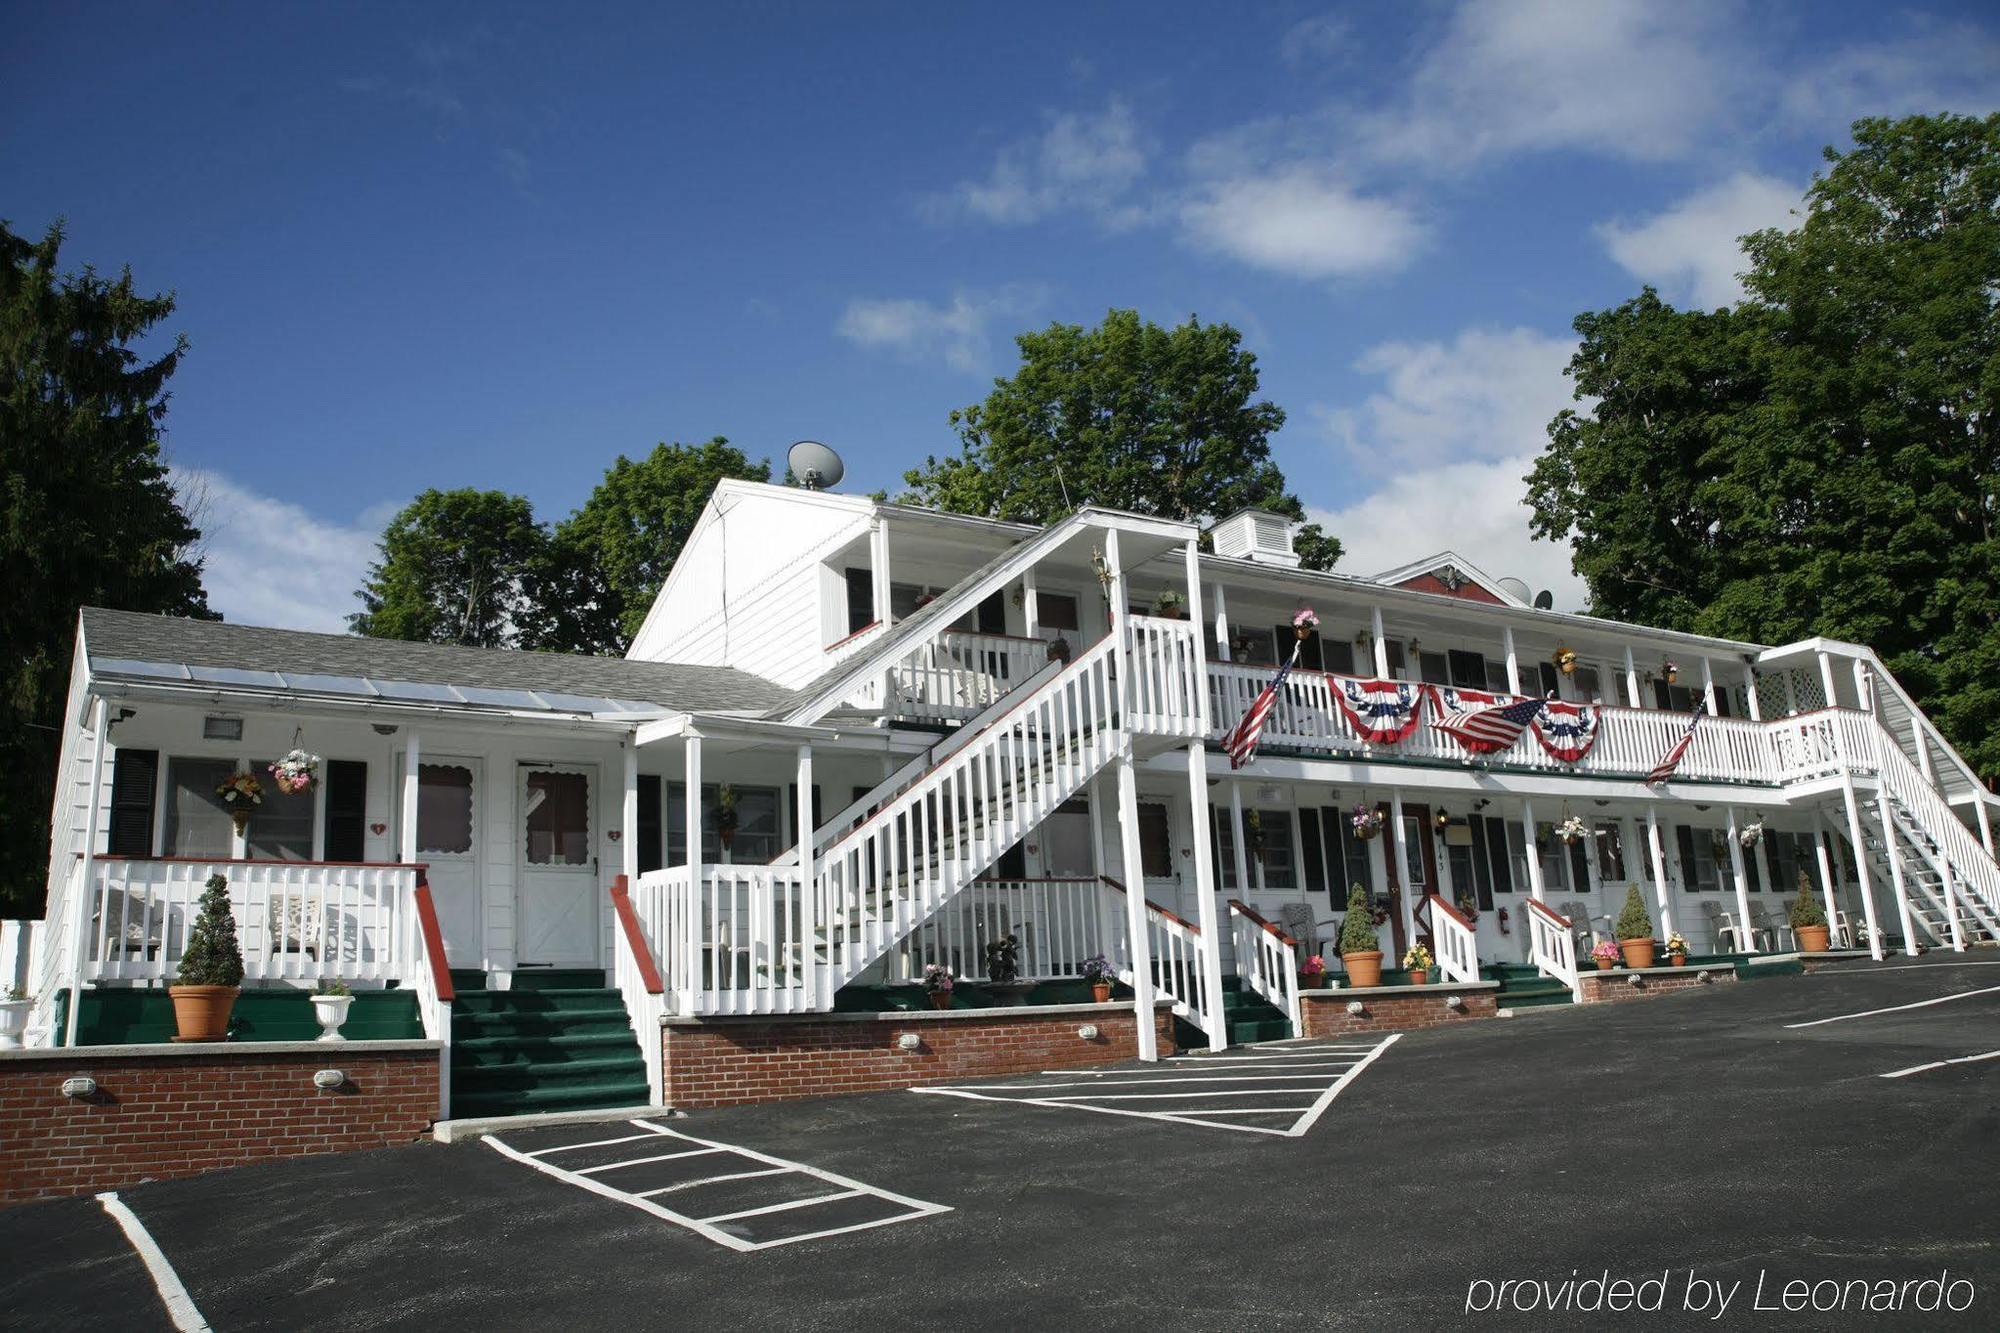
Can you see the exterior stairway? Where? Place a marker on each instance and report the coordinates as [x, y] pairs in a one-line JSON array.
[[1522, 986], [558, 1041]]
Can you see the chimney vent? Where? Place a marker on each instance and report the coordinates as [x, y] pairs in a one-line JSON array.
[[1256, 534]]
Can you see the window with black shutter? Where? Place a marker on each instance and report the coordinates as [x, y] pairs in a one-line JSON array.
[[1482, 875], [1468, 670], [1310, 850], [135, 776], [1312, 655], [1579, 866], [652, 827], [1551, 680], [346, 810], [860, 599], [992, 615]]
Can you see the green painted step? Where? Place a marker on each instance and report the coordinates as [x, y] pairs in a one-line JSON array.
[[467, 978], [536, 1001], [546, 1073], [559, 978], [558, 1040], [493, 1051], [551, 1097]]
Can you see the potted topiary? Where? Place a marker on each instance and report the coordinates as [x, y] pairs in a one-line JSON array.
[[211, 969], [1808, 918], [14, 1007], [1097, 971], [1417, 962], [330, 1001], [937, 985], [1635, 930], [1360, 947]]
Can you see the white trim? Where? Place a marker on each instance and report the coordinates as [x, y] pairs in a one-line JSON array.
[[1430, 564], [173, 1294]]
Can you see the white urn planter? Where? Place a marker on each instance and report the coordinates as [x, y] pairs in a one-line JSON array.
[[331, 1011], [13, 1022]]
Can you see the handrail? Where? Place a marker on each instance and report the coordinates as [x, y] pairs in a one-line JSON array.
[[1553, 947], [1267, 961], [850, 638], [1555, 918], [635, 938], [1453, 912], [433, 938], [1257, 919], [1457, 946], [1155, 908]]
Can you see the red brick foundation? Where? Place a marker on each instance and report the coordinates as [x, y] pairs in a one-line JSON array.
[[165, 1111], [1392, 1008], [1616, 987], [731, 1061]]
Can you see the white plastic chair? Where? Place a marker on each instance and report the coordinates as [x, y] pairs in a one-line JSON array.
[[1764, 923], [1722, 928]]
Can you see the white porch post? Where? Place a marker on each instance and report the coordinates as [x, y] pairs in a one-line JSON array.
[[1100, 868], [1192, 559], [878, 567], [1221, 624], [1120, 628], [1631, 680], [1950, 889], [1826, 679], [1031, 605], [697, 937], [1742, 883], [1204, 887], [816, 984], [1750, 694], [1923, 750], [1381, 648], [1535, 889], [628, 816], [1409, 893], [93, 821], [1896, 872], [1240, 850], [1860, 847], [1708, 686], [1513, 660], [1136, 925], [1826, 885], [406, 833], [1791, 693], [1662, 890]]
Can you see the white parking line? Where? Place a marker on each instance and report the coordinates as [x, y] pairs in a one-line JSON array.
[[1941, 1064], [180, 1306], [1898, 1008], [587, 1178]]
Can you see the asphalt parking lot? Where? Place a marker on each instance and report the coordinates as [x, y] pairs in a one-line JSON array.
[[1703, 1134]]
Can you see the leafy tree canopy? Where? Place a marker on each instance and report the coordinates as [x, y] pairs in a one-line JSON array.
[[461, 567], [87, 513], [1824, 457], [1127, 415]]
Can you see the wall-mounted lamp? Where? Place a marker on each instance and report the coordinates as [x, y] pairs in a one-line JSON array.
[[82, 1089], [1088, 1032], [386, 728], [329, 1079], [909, 1041], [1355, 1008]]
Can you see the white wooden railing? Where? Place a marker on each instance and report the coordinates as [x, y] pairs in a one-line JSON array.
[[295, 920], [1167, 695], [1267, 960], [1552, 946], [1973, 881], [1056, 924], [637, 977], [957, 675], [1457, 948], [1175, 947], [429, 976]]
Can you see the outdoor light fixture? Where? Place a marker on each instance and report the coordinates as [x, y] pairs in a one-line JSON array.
[[221, 727], [329, 1079], [80, 1088], [1454, 1002], [1355, 1008], [909, 1041], [1634, 980], [1088, 1032], [1442, 820], [385, 728]]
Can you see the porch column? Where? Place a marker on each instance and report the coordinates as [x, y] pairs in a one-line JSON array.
[[1240, 851], [878, 567], [1750, 694], [1742, 883], [1031, 605], [1192, 559], [1826, 679], [1204, 889], [1513, 660], [1662, 891], [1896, 872], [93, 821], [1136, 925], [1791, 693], [1708, 686], [1120, 631], [628, 816], [816, 984], [1221, 625], [1381, 648], [1631, 680], [1826, 885], [1535, 890], [691, 806], [1864, 693], [1860, 848], [1950, 889], [1099, 868], [406, 835], [1409, 894]]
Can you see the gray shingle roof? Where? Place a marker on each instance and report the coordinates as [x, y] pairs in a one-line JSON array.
[[134, 637]]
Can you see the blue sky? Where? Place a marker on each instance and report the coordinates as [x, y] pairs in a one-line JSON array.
[[491, 245]]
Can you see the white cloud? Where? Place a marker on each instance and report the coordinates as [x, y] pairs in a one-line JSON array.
[[1081, 161], [1690, 251], [1301, 221], [954, 332], [1451, 434], [1626, 78], [1936, 68], [1316, 42], [271, 562]]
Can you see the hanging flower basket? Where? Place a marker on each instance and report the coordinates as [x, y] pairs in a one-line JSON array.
[[1751, 834], [1671, 670], [1565, 660], [1367, 823], [1305, 624], [1572, 830], [296, 772], [240, 794]]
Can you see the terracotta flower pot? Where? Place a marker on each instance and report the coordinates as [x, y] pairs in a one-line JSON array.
[[1419, 976], [1606, 964], [1638, 953], [1312, 980], [201, 1013], [1363, 969], [940, 999], [1100, 991], [1812, 939], [1677, 959]]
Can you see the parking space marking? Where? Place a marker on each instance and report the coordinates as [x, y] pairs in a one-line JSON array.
[[1899, 1008], [173, 1293], [1941, 1064], [1324, 1070], [712, 1227]]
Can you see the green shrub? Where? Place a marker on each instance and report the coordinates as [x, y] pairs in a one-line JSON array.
[[1357, 928], [1806, 909], [212, 957], [1633, 923]]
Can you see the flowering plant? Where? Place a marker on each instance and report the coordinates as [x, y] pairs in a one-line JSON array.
[[1312, 966], [296, 772], [240, 791], [1573, 829], [1305, 621], [1565, 660], [937, 979], [1677, 945], [1468, 909], [1097, 970], [1751, 834], [1605, 952], [1366, 821], [1417, 958]]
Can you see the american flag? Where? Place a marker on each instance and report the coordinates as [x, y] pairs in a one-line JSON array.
[[1672, 759], [1241, 742], [1483, 727]]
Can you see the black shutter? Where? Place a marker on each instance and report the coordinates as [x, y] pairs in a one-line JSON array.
[[346, 810], [134, 776], [1221, 833], [652, 831], [1750, 872], [1310, 850], [1467, 669], [1690, 877], [992, 615], [1482, 877], [1498, 855], [1579, 866], [1551, 680], [860, 599]]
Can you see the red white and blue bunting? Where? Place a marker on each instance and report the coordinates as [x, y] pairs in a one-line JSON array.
[[1567, 731], [1382, 712]]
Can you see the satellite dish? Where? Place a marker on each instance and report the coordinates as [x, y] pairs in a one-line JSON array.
[[816, 466], [1545, 600], [1515, 588]]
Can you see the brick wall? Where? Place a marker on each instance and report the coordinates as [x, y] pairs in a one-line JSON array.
[[730, 1061], [168, 1112], [1401, 1010], [1616, 987]]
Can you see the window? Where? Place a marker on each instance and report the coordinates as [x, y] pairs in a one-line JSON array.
[[1468, 670], [758, 837], [1057, 610], [1700, 849], [1224, 833], [1252, 646], [1156, 852], [1311, 654], [1675, 698], [1338, 656], [1393, 650], [1434, 667], [346, 810], [1610, 852], [444, 809], [1554, 858], [1273, 845], [1517, 856], [1589, 685], [1416, 875], [1551, 680], [558, 818], [1065, 836], [197, 821], [906, 599], [1496, 678], [860, 599], [282, 828]]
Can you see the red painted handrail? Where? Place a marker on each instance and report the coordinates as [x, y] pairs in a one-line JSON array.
[[1154, 907], [427, 923], [850, 638], [1251, 912], [1548, 912], [635, 938], [1453, 912]]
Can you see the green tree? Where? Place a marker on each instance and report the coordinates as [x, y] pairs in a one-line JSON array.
[[461, 567], [87, 513], [608, 559], [1824, 457], [1127, 415]]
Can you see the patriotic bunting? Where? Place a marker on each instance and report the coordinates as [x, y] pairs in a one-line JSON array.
[[1382, 711], [1566, 731], [1481, 722]]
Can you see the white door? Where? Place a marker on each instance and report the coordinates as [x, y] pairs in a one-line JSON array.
[[448, 792], [556, 899]]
